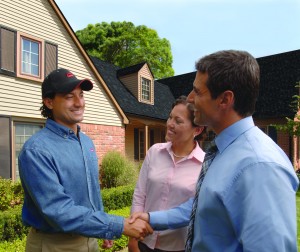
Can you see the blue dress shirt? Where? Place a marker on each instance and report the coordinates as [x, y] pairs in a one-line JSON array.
[[59, 174], [247, 199]]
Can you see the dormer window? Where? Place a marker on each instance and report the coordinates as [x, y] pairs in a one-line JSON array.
[[146, 84]]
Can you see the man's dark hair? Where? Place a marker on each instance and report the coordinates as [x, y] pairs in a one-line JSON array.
[[45, 111], [237, 71]]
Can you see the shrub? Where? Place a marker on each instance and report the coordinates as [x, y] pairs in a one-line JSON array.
[[11, 194], [11, 226], [117, 170], [116, 198]]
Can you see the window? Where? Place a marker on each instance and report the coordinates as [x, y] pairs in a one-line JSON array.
[[30, 57], [25, 56], [146, 84], [23, 131]]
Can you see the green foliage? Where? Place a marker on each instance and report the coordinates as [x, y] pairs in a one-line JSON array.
[[116, 170], [11, 226], [122, 242], [18, 245], [292, 126], [124, 44], [11, 194], [116, 198]]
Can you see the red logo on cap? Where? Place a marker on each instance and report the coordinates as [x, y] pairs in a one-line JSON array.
[[69, 75]]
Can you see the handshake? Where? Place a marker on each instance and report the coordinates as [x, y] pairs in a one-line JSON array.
[[137, 226]]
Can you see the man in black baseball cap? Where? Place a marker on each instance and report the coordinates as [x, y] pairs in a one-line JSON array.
[[60, 175], [63, 81]]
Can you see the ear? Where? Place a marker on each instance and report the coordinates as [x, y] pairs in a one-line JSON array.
[[226, 99], [48, 102], [198, 131]]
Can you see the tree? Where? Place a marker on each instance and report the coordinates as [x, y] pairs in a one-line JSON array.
[[292, 126], [123, 44]]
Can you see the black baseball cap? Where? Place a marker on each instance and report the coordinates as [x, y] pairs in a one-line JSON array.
[[62, 81]]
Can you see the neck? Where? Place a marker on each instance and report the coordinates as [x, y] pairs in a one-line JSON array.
[[183, 150]]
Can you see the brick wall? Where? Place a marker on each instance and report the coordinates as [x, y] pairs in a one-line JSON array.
[[105, 138]]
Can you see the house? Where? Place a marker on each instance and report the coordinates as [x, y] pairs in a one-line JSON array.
[[146, 103], [35, 39], [147, 117]]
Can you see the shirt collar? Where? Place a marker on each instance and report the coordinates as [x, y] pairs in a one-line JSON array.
[[228, 135], [59, 129], [197, 152]]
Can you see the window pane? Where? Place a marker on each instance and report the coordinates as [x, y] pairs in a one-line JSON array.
[[34, 47], [35, 59], [26, 45], [26, 57], [35, 70], [25, 68], [22, 133]]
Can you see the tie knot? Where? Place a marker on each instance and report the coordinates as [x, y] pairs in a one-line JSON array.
[[212, 147]]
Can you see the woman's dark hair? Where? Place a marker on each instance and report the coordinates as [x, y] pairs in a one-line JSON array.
[[183, 100]]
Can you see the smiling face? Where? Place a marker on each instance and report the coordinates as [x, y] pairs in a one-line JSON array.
[[179, 125], [68, 108]]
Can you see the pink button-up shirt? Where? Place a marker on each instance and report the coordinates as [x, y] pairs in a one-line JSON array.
[[163, 184]]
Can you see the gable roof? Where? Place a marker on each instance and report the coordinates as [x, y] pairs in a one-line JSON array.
[[278, 73], [163, 97], [130, 70], [87, 59]]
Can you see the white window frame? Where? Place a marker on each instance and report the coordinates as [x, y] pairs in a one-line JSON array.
[[146, 89]]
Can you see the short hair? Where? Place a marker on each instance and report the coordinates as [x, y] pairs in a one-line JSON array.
[[237, 71], [183, 100]]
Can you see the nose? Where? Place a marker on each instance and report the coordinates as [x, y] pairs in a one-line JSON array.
[[170, 123], [78, 101], [190, 97]]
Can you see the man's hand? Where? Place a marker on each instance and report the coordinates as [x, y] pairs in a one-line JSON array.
[[107, 243], [139, 215], [138, 229]]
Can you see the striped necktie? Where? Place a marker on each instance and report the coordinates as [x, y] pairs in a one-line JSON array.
[[209, 156]]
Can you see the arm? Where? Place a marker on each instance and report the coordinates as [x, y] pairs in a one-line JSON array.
[[173, 218], [264, 213]]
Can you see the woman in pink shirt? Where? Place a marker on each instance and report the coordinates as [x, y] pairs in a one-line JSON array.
[[168, 177]]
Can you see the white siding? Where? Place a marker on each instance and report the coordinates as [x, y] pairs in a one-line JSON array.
[[20, 97]]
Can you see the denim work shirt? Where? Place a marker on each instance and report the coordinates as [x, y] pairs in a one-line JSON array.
[[59, 174]]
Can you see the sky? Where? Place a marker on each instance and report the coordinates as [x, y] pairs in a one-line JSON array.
[[196, 28]]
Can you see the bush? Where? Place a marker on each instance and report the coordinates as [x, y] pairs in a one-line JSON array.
[[11, 225], [117, 198], [11, 194], [117, 170]]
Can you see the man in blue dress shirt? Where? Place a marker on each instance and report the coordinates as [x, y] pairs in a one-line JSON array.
[[247, 199]]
